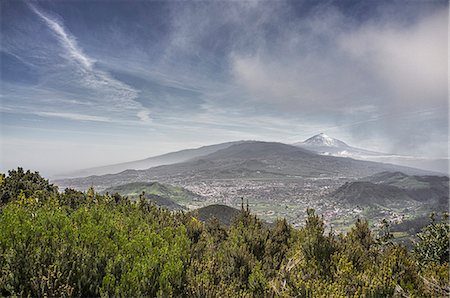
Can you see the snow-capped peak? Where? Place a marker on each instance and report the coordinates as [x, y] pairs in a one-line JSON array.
[[323, 140]]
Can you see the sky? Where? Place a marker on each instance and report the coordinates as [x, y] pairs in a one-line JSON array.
[[89, 83]]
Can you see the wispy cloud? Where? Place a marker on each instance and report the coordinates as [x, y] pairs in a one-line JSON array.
[[69, 42], [105, 91], [144, 115], [74, 116]]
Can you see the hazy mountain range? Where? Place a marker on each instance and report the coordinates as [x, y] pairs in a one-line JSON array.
[[320, 144], [243, 160]]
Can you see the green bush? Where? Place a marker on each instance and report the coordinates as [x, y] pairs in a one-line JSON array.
[[100, 249]]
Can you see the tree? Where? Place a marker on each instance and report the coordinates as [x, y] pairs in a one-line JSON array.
[[28, 183], [433, 244]]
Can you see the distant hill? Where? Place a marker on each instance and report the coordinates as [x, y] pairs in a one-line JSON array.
[[165, 159], [364, 193], [248, 160], [224, 214], [387, 187], [386, 177], [160, 194], [420, 188]]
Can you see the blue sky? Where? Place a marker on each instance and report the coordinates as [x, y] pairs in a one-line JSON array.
[[87, 83]]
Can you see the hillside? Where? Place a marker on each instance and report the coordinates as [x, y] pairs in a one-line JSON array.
[[420, 188], [163, 202], [224, 214], [362, 193], [158, 192], [389, 187]]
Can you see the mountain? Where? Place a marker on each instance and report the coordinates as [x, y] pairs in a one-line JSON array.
[[247, 160], [160, 194], [326, 145], [387, 188], [363, 193], [420, 188], [165, 159], [224, 214], [322, 140]]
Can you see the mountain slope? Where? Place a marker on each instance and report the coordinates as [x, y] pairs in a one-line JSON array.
[[386, 188], [249, 160], [364, 193], [165, 159], [421, 188]]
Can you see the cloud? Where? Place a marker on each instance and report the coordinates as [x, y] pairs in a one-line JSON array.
[[372, 78], [335, 64], [144, 116], [66, 40], [98, 86], [408, 61], [74, 116]]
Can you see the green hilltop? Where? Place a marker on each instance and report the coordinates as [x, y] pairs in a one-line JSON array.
[[175, 193]]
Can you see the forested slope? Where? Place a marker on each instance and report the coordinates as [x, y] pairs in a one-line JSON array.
[[89, 244]]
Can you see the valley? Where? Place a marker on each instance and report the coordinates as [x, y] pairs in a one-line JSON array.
[[271, 199], [281, 181]]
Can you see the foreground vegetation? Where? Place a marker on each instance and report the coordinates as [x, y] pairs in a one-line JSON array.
[[87, 244]]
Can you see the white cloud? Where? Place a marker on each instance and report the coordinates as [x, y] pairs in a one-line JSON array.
[[66, 40], [409, 62], [394, 64], [373, 78], [144, 116], [104, 91], [74, 116]]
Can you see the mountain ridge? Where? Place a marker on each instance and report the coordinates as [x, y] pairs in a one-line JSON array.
[[249, 160], [153, 161], [321, 144]]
